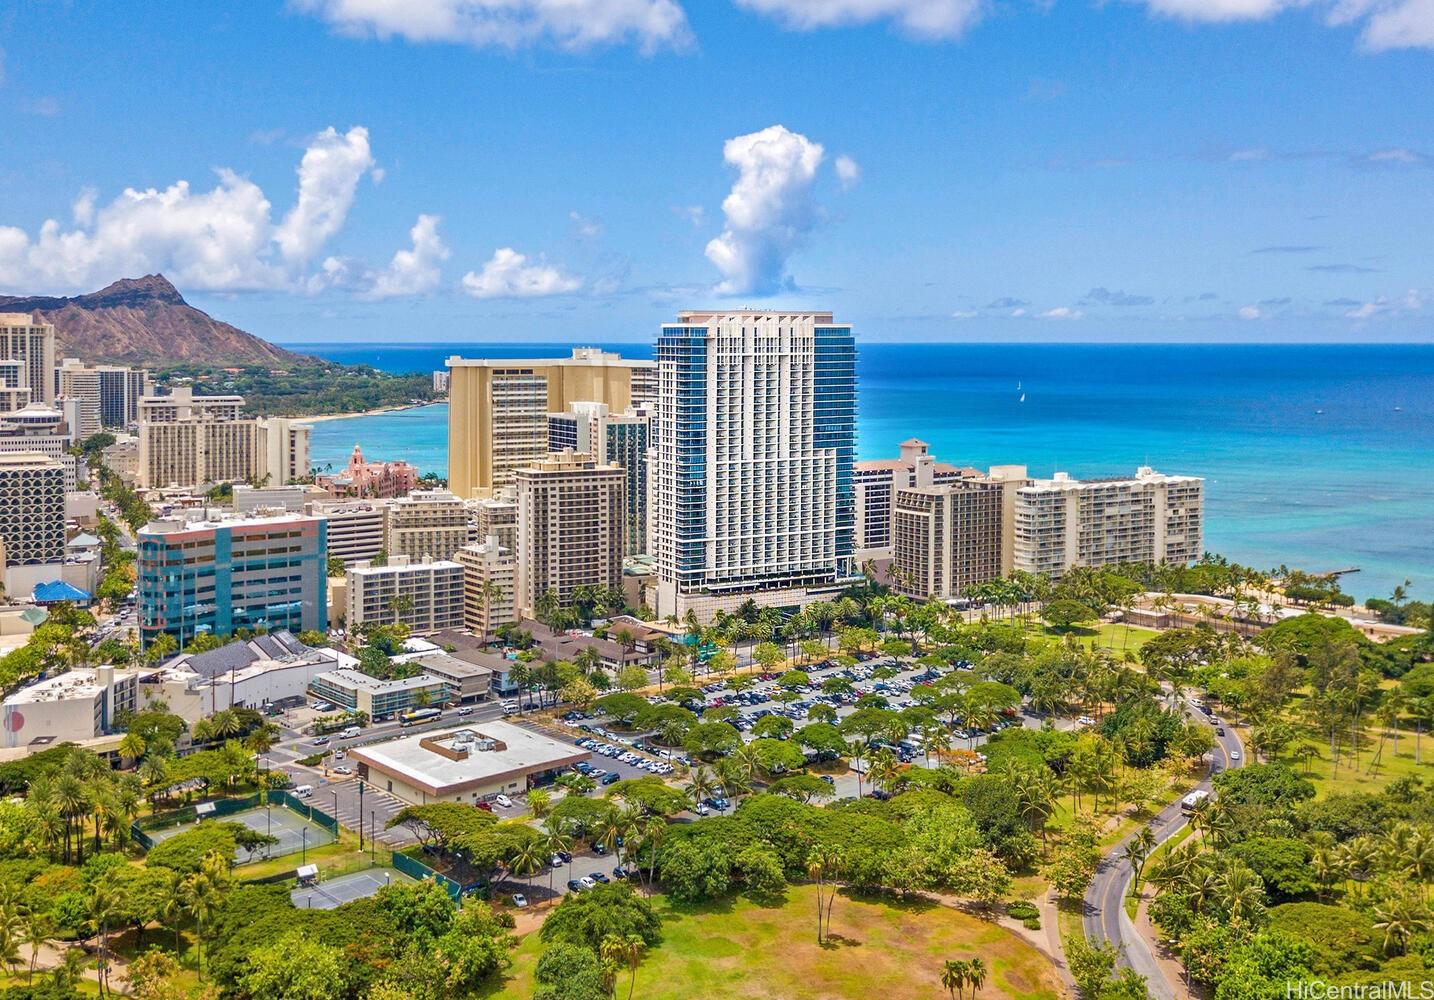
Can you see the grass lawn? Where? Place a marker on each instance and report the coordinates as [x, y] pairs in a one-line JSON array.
[[1351, 778], [337, 858], [881, 948], [1116, 638]]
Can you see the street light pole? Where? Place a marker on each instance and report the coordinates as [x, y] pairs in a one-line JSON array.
[[360, 815], [304, 851]]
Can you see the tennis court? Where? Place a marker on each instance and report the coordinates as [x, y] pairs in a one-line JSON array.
[[294, 832], [345, 888]]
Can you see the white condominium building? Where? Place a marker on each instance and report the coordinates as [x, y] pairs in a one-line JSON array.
[[426, 596], [752, 470], [14, 389], [110, 394], [1148, 518], [496, 515], [426, 523], [356, 528], [33, 345], [570, 527]]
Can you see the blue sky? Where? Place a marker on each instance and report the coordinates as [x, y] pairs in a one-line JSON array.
[[929, 169]]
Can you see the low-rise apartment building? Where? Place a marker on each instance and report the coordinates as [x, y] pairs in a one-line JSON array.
[[78, 705], [426, 595], [356, 691]]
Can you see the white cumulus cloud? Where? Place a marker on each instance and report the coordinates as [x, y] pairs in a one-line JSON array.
[[848, 171], [1216, 11], [1383, 24], [926, 19], [328, 177], [223, 239], [1250, 312], [571, 24], [1062, 312], [770, 210], [414, 271], [508, 275]]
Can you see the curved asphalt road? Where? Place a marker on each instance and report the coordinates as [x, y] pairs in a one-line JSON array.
[[1105, 917]]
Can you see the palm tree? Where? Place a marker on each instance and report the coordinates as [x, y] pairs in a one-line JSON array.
[[1138, 849], [489, 591], [201, 901], [700, 786], [1400, 920], [132, 746], [975, 974], [104, 906], [816, 871], [953, 977], [37, 930], [654, 828], [554, 841], [528, 859], [629, 951]]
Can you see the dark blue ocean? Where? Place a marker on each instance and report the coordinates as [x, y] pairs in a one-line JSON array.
[[1317, 456]]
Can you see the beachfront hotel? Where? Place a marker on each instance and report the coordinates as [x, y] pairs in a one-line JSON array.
[[196, 573], [498, 408], [189, 440], [875, 484], [947, 537], [1150, 517], [751, 474]]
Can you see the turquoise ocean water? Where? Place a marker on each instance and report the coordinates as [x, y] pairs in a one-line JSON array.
[[1320, 457]]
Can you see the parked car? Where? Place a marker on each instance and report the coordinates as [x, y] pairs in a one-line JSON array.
[[520, 900], [600, 877], [503, 801], [574, 885], [556, 861], [611, 779], [587, 883], [345, 769], [321, 741]]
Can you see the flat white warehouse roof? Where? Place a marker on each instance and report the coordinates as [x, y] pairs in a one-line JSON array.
[[421, 761]]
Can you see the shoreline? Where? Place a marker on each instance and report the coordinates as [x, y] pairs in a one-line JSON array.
[[319, 418]]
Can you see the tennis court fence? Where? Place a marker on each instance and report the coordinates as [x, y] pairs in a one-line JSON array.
[[139, 829]]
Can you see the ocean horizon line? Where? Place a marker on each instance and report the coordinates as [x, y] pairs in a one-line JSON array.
[[430, 344]]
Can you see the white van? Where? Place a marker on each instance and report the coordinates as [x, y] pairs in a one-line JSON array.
[[350, 733], [304, 791]]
